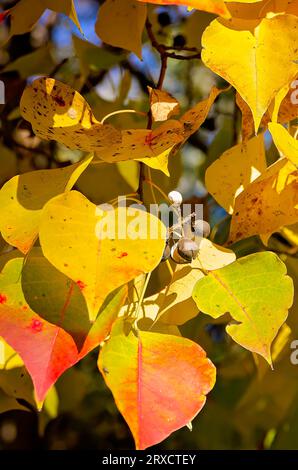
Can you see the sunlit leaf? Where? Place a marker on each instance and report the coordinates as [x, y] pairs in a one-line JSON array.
[[142, 368], [162, 105], [286, 144], [228, 176], [256, 292], [267, 203], [259, 50], [46, 348], [23, 197], [99, 249], [60, 113]]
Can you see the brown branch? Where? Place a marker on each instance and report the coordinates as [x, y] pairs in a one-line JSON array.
[[164, 55], [164, 50]]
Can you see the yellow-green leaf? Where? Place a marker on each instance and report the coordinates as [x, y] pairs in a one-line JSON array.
[[256, 292]]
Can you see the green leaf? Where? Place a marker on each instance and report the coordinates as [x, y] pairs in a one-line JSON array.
[[93, 58], [38, 62], [256, 292]]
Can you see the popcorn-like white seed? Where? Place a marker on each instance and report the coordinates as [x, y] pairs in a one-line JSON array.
[[175, 197]]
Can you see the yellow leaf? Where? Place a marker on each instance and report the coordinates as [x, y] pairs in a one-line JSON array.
[[64, 6], [256, 52], [248, 120], [26, 13], [212, 256], [121, 24], [286, 144], [23, 197], [195, 116], [217, 7], [160, 162], [256, 292], [142, 143], [57, 112], [162, 105], [174, 304], [227, 177], [282, 109], [261, 9], [268, 203], [99, 249], [9, 359], [125, 177]]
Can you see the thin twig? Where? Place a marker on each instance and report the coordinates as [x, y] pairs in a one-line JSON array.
[[164, 50]]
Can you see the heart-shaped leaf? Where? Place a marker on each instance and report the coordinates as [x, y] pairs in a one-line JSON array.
[[99, 257], [256, 292], [121, 24], [257, 50], [46, 348], [159, 381], [23, 197]]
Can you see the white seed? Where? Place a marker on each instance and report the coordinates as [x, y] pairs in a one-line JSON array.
[[175, 197]]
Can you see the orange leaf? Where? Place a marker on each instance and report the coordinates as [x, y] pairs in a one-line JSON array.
[[159, 381]]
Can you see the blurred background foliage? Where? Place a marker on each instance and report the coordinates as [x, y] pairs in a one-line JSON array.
[[251, 406]]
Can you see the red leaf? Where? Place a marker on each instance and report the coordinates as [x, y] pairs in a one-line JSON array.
[[46, 348], [159, 381], [3, 15]]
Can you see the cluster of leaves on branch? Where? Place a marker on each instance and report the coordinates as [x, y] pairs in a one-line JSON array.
[[65, 291]]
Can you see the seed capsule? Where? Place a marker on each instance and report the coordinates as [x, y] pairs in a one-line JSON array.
[[175, 197], [184, 251], [202, 228]]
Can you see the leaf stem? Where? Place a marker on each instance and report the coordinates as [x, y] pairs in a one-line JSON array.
[[121, 111], [148, 276]]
